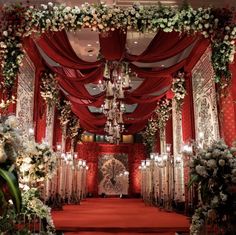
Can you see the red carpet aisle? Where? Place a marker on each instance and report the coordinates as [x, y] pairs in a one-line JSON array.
[[117, 216]]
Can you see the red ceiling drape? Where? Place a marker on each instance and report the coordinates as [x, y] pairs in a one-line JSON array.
[[58, 48], [73, 72], [163, 46]]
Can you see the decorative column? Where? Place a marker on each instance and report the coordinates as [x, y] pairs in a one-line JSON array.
[[25, 95], [177, 143], [49, 124], [204, 100]]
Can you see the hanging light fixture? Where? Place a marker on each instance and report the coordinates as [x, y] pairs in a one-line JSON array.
[[115, 82]]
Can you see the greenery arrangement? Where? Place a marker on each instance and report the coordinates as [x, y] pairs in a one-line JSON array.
[[20, 22], [214, 172], [179, 89], [157, 122]]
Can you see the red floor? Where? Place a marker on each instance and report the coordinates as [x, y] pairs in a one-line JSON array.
[[106, 216]]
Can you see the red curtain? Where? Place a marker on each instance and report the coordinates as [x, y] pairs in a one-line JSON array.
[[112, 44]]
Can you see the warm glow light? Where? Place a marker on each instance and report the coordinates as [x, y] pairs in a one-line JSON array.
[[31, 131]]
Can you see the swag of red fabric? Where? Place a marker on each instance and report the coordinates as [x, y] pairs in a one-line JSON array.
[[74, 73]]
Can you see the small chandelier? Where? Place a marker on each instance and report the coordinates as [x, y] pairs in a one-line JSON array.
[[116, 81]]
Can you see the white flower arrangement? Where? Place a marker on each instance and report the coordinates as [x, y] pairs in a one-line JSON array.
[[178, 87], [163, 112], [6, 103], [214, 171], [149, 134], [35, 163], [49, 89], [10, 141], [211, 23]]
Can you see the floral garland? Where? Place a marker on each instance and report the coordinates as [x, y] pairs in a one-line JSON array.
[[36, 162], [163, 113], [49, 89], [215, 24], [178, 87], [157, 121], [65, 114], [50, 93], [73, 127], [149, 135], [214, 171]]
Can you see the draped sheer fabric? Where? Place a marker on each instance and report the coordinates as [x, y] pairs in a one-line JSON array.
[[74, 73]]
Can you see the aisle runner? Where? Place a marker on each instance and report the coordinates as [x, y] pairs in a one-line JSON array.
[[107, 215]]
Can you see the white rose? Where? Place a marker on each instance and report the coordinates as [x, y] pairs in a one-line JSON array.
[[211, 163], [221, 162], [5, 33], [25, 167], [50, 4], [223, 197], [27, 160], [48, 21], [41, 166], [12, 121], [44, 6]]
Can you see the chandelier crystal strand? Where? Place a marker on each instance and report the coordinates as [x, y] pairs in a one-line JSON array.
[[115, 82]]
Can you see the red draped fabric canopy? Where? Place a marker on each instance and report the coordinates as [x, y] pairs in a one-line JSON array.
[[74, 73]]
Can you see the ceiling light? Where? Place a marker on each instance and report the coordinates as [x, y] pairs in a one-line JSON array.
[[135, 42], [89, 45]]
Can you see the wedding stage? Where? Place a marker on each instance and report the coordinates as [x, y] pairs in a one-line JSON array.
[[118, 216]]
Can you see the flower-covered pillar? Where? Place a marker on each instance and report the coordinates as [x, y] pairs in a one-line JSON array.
[[25, 95]]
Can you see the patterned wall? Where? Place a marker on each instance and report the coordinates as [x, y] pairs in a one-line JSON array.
[[25, 95], [204, 99]]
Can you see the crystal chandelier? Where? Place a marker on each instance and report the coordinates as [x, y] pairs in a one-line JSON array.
[[116, 80]]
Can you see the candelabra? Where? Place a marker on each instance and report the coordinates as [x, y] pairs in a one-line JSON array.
[[158, 178], [116, 81]]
